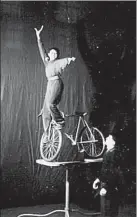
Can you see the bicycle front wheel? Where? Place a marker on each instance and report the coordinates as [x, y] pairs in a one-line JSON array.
[[92, 141], [50, 145]]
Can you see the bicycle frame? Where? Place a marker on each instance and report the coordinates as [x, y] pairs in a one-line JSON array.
[[85, 124]]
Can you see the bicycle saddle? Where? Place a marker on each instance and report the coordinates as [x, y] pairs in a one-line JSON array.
[[80, 113]]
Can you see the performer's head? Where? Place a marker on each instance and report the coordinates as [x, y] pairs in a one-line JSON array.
[[53, 54], [110, 142]]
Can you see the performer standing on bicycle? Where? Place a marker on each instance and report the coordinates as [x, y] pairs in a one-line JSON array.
[[53, 68]]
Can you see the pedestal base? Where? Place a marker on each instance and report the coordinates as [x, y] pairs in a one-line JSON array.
[[66, 165]]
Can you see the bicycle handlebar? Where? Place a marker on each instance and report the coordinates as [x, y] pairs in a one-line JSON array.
[[76, 114], [71, 115]]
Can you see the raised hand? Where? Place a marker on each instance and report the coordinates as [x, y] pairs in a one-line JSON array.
[[38, 31], [73, 58]]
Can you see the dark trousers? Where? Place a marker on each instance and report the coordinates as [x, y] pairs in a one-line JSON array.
[[110, 205], [52, 98]]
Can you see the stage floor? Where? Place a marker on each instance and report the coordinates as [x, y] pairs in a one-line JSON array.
[[128, 211]]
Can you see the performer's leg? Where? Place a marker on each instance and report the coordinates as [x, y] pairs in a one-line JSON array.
[[46, 117], [114, 204], [105, 206], [46, 122], [53, 97], [102, 198]]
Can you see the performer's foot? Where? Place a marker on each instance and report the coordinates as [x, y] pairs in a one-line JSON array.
[[81, 150], [59, 125]]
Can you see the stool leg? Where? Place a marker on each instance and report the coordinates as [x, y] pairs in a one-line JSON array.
[[67, 195]]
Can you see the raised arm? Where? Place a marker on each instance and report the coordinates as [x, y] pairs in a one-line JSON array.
[[40, 45]]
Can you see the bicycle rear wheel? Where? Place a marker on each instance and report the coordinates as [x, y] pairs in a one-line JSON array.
[[50, 144], [92, 141]]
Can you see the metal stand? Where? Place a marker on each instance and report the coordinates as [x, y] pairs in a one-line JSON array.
[[67, 194], [67, 164]]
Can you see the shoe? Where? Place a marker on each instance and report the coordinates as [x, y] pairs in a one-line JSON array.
[[59, 125], [61, 122], [82, 150]]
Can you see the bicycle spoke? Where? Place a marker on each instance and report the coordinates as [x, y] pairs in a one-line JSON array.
[[50, 149], [47, 154], [45, 148], [55, 141], [54, 137], [54, 149], [94, 150], [92, 142]]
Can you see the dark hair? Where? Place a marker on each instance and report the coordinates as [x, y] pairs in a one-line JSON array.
[[56, 49]]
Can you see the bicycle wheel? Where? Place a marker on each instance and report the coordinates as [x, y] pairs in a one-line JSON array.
[[50, 147], [92, 141]]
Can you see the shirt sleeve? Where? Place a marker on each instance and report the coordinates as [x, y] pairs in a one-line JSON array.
[[62, 63], [42, 51]]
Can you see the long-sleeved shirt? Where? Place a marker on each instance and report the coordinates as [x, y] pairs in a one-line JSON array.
[[55, 67]]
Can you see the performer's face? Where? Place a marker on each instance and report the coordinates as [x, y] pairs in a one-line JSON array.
[[52, 54], [110, 142]]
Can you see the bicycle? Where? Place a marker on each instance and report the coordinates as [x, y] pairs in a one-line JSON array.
[[91, 139]]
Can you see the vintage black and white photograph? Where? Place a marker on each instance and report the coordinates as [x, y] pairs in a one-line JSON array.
[[68, 108]]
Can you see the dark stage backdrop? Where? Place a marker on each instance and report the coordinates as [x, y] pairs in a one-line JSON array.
[[23, 85], [101, 35]]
